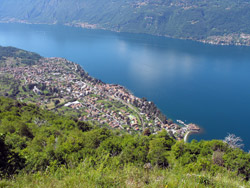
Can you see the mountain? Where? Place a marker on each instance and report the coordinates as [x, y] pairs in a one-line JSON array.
[[214, 21]]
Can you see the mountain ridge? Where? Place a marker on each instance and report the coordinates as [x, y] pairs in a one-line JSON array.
[[215, 22]]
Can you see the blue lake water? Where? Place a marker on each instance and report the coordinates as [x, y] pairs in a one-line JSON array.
[[194, 82]]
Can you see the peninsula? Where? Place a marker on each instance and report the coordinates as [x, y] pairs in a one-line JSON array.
[[64, 87]]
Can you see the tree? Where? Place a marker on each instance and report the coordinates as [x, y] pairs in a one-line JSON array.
[[179, 148], [24, 130], [158, 153], [112, 145], [239, 161], [84, 126], [10, 162], [147, 132], [233, 141], [56, 102], [168, 140]]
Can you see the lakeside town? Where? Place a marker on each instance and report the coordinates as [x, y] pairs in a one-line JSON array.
[[62, 86], [240, 39]]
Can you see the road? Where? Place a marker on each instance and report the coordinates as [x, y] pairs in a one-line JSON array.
[[130, 106]]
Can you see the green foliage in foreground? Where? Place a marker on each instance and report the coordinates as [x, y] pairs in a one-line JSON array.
[[41, 149], [131, 176]]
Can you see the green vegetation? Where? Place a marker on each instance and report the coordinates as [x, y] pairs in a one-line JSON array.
[[192, 19], [42, 149], [21, 56]]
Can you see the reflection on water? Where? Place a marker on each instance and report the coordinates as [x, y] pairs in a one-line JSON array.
[[204, 84], [150, 67]]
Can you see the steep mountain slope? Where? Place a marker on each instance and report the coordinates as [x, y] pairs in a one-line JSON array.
[[215, 21], [47, 150]]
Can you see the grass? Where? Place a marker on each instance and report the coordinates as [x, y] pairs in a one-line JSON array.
[[128, 176], [51, 105]]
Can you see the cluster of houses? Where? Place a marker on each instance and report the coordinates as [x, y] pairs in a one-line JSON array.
[[106, 103]]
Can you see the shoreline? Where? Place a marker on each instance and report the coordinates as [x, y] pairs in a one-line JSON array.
[[208, 40], [188, 133], [186, 136]]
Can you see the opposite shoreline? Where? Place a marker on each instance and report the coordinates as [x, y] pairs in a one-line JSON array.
[[219, 40]]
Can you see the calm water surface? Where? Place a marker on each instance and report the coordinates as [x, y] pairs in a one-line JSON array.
[[205, 84]]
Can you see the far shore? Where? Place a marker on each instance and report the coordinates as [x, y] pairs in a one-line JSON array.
[[213, 40]]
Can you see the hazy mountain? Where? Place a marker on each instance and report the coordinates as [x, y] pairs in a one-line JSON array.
[[195, 19]]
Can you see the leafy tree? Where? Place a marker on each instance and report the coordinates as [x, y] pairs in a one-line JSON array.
[[157, 154], [111, 145], [178, 149], [194, 147], [187, 158], [25, 131], [237, 160], [56, 102], [218, 145], [168, 141], [10, 161], [146, 132], [84, 126], [203, 164]]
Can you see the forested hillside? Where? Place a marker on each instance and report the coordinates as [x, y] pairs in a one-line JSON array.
[[17, 56], [214, 21], [41, 149]]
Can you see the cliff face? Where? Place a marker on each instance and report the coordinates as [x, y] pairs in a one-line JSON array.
[[196, 20]]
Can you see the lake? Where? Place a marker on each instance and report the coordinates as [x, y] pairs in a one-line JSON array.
[[194, 82]]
